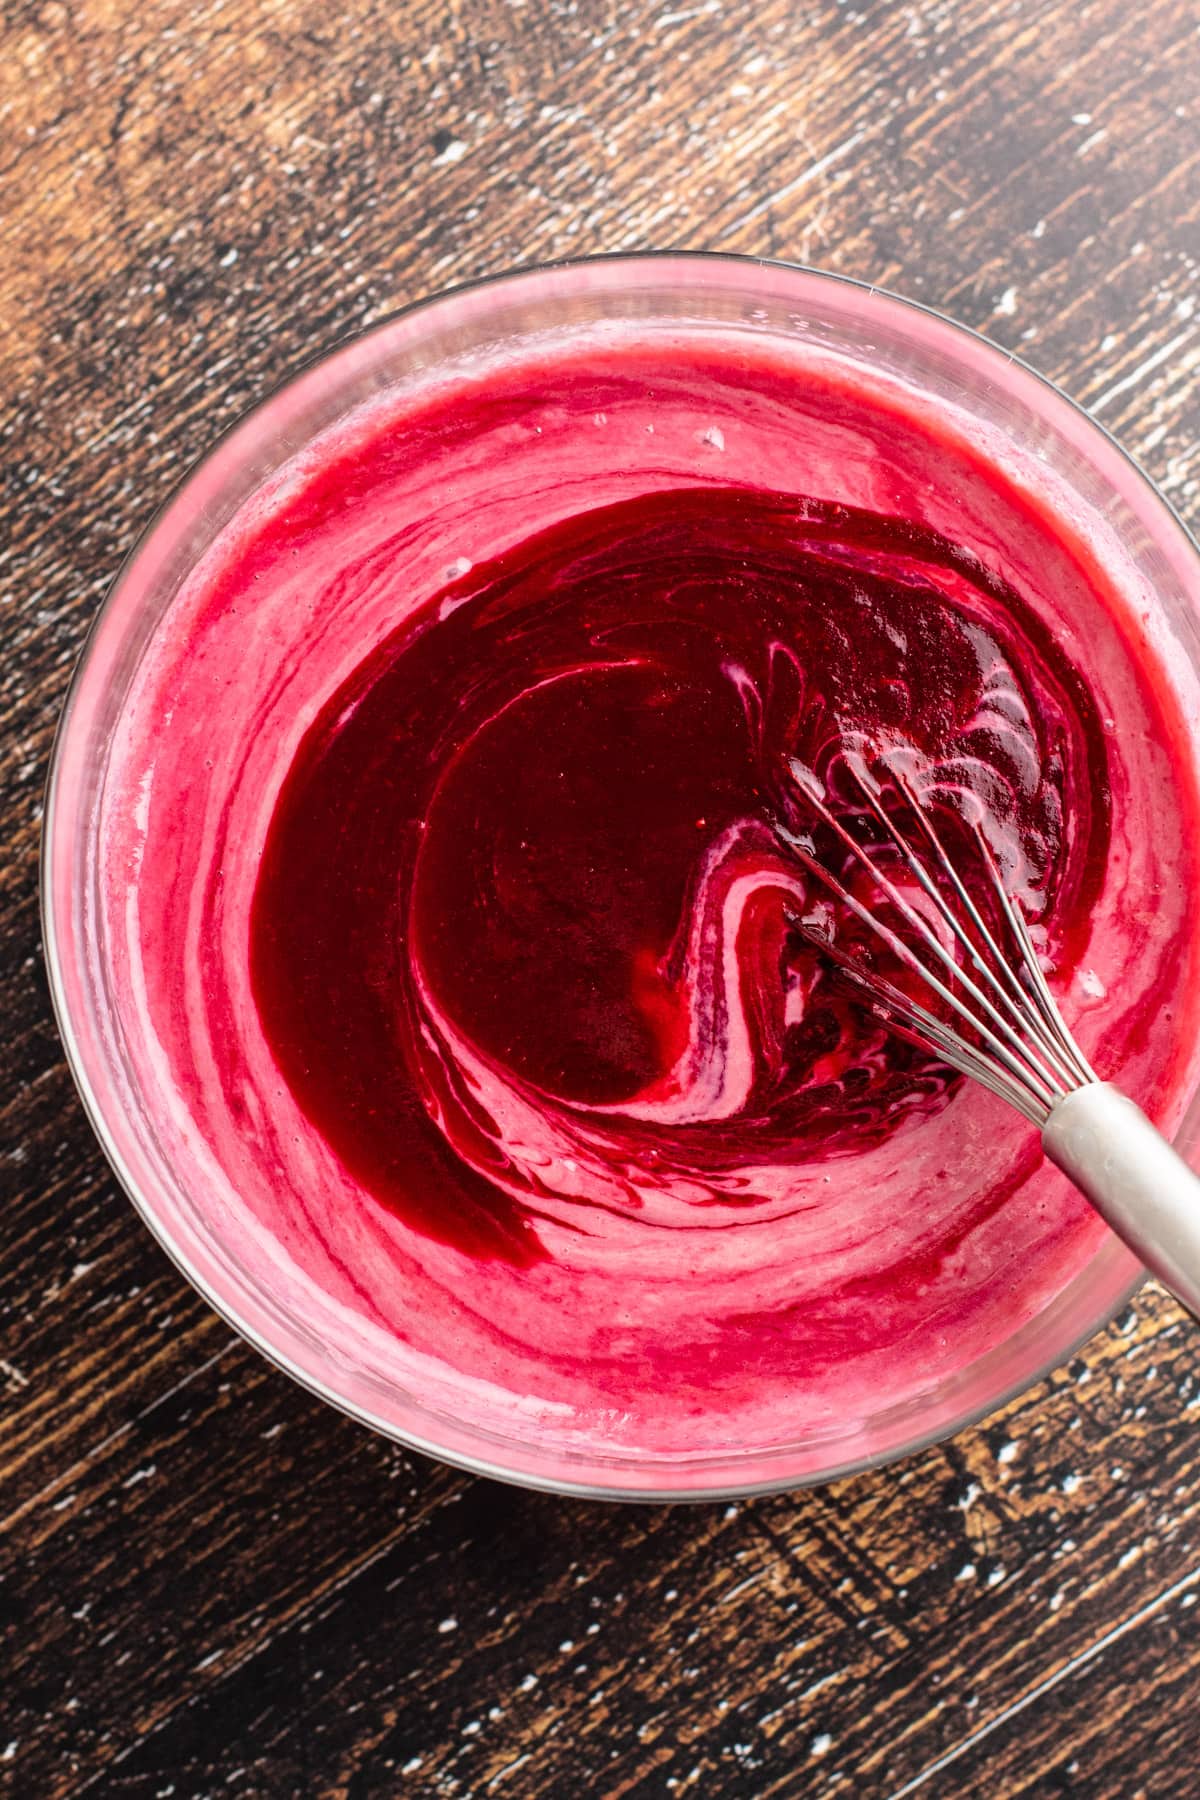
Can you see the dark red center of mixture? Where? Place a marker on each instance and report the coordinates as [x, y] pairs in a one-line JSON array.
[[524, 901]]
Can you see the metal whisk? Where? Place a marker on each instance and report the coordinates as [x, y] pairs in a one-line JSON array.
[[998, 1022]]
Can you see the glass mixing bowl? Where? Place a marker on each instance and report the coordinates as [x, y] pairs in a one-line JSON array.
[[1102, 490]]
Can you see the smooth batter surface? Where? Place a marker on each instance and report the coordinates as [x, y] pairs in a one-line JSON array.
[[444, 849]]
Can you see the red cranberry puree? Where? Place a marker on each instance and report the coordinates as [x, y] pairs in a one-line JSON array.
[[443, 862]]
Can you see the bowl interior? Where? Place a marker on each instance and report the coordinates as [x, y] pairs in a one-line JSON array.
[[834, 322]]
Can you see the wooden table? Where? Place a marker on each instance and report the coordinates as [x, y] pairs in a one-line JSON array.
[[213, 1584]]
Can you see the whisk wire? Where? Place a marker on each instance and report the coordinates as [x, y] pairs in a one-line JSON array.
[[1020, 1047], [1028, 1078], [923, 1028], [1042, 998], [1044, 1056]]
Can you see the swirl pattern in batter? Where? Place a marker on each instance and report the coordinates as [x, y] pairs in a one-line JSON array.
[[543, 948], [442, 858]]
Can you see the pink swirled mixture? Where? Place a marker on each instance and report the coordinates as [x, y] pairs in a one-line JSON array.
[[444, 852]]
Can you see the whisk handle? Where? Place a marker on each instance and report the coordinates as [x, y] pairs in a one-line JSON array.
[[1134, 1179]]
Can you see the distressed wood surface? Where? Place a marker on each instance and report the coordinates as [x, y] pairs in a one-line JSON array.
[[211, 1583]]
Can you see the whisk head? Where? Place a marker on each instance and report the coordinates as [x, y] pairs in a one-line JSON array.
[[973, 958]]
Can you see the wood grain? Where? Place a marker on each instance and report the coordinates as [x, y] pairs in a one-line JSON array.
[[211, 1583]]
